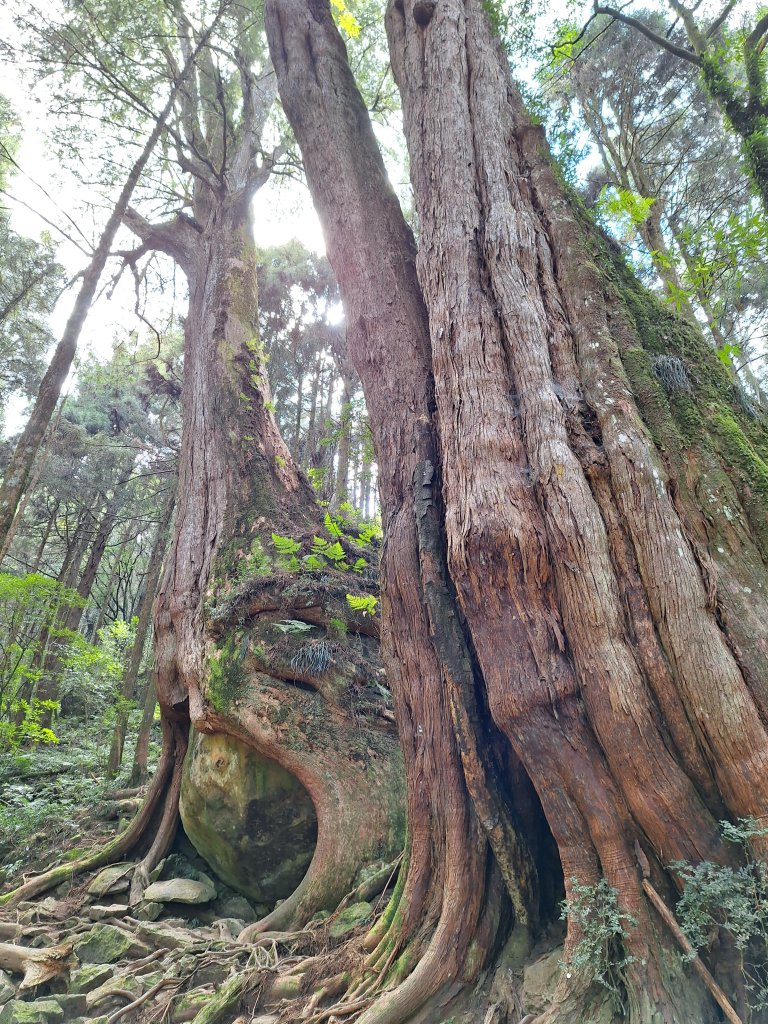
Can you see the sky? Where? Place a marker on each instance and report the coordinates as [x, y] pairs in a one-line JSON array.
[[44, 193]]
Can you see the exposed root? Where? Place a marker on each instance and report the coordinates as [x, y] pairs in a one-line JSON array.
[[136, 1003], [112, 851], [37, 965]]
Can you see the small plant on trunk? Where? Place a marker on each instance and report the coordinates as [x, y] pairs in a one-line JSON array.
[[599, 955]]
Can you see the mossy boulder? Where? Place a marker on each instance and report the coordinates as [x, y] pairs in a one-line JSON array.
[[106, 944], [252, 821], [89, 976], [41, 1011]]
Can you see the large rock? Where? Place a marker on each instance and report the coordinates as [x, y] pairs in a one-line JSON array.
[[41, 1011], [116, 878], [106, 944], [181, 890], [253, 822], [89, 977]]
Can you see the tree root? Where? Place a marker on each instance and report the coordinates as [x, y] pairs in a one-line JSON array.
[[113, 851], [37, 965], [125, 1010]]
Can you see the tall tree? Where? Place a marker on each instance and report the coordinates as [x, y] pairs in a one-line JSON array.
[[599, 572], [732, 69], [252, 613], [19, 467]]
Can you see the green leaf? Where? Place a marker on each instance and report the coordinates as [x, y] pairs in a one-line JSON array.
[[285, 545], [365, 603]]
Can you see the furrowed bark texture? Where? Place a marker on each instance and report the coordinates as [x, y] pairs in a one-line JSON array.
[[443, 906], [238, 484], [604, 538]]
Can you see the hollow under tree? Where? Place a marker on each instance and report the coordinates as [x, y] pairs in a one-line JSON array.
[[585, 548]]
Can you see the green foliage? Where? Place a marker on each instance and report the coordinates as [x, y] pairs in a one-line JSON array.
[[286, 548], [599, 954], [365, 603], [337, 627], [717, 896], [627, 208], [293, 627], [92, 673], [24, 727], [333, 524], [726, 352], [26, 603], [345, 19], [227, 677]]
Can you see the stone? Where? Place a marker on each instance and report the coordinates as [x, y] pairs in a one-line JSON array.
[[111, 880], [108, 991], [252, 821], [189, 1005], [148, 911], [72, 1004], [41, 1011], [236, 906], [157, 870], [349, 918], [212, 974], [540, 980], [228, 927], [98, 911], [181, 890], [105, 944], [7, 989], [89, 977], [164, 937]]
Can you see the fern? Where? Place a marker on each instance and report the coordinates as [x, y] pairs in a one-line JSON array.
[[365, 603]]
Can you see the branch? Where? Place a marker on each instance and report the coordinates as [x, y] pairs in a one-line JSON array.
[[719, 20], [640, 26], [177, 238], [754, 37]]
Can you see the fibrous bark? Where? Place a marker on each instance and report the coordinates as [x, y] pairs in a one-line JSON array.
[[604, 605]]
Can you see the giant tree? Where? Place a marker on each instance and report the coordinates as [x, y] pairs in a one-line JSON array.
[[254, 635], [574, 572]]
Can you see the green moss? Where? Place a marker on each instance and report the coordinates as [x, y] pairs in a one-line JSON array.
[[740, 453], [226, 672]]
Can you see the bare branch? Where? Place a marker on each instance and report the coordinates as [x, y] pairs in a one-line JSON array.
[[640, 26]]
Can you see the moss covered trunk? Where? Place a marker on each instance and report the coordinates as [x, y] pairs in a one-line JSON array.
[[604, 575]]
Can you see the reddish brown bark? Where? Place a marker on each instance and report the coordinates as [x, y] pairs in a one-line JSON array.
[[575, 545]]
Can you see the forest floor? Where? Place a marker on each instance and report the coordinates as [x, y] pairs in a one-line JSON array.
[[82, 955]]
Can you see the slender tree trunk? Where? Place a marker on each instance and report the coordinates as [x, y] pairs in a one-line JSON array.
[[131, 675], [20, 465], [345, 426], [139, 770], [628, 682], [48, 686]]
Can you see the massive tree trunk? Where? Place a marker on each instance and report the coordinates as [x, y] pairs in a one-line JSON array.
[[605, 540], [218, 662]]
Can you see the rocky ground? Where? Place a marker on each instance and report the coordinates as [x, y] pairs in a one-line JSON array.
[[83, 954]]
